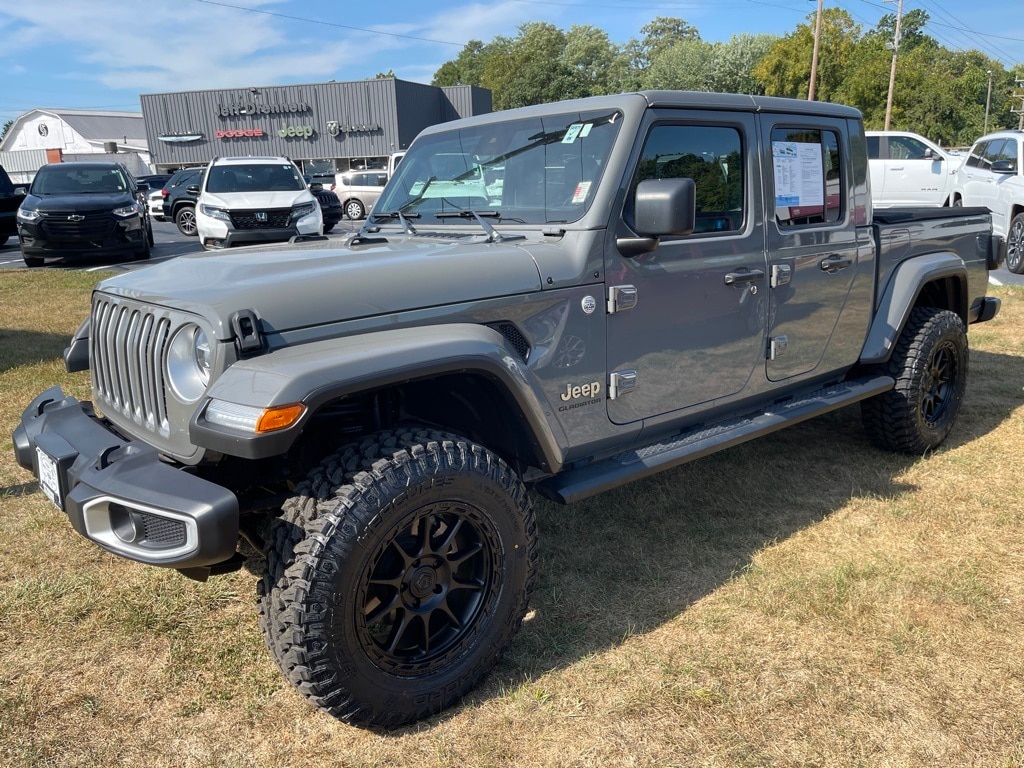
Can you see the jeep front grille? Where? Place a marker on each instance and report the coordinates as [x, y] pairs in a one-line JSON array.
[[127, 345]]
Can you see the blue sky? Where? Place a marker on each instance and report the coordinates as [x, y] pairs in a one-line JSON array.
[[101, 54]]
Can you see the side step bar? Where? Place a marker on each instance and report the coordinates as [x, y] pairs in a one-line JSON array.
[[702, 440]]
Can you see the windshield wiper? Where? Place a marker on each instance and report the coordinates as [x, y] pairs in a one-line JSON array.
[[493, 236], [407, 228]]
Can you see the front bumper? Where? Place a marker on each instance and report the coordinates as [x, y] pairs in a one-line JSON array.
[[217, 233], [118, 493], [97, 235]]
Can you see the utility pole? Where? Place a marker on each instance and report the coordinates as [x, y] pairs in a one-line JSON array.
[[892, 72], [814, 56], [988, 100], [1019, 110]]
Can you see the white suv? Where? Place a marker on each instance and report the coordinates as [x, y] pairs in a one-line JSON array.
[[254, 199], [992, 177]]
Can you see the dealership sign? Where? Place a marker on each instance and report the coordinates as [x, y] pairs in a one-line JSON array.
[[252, 108], [240, 133], [295, 131]]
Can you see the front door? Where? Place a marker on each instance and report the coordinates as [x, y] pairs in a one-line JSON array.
[[693, 329]]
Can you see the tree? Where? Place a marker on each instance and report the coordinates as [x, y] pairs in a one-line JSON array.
[[732, 63], [531, 68], [594, 59], [683, 66], [466, 69], [6, 128], [660, 34], [786, 69], [384, 75]]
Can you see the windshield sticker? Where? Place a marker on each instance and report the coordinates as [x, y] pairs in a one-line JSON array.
[[799, 173], [572, 132], [586, 130], [582, 190]]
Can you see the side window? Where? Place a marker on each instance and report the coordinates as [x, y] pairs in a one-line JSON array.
[[873, 147], [905, 148], [1009, 151], [807, 173], [991, 152], [710, 155], [974, 159]]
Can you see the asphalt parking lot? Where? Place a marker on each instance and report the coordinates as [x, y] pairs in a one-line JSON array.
[[168, 243]]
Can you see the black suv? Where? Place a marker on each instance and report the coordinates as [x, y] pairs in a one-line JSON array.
[[83, 209], [179, 204], [330, 204]]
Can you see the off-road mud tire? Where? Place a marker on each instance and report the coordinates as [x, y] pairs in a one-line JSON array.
[[350, 541], [929, 365]]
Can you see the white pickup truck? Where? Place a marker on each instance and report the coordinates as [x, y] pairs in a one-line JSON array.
[[908, 170]]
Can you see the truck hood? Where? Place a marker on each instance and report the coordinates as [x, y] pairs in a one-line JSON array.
[[299, 286]]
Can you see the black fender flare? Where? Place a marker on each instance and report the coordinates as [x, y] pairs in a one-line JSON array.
[[318, 372], [900, 296]]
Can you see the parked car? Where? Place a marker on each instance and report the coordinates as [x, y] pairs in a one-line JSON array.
[[83, 209], [907, 170], [991, 176], [10, 199], [359, 190], [155, 194], [179, 206], [254, 200], [330, 205]]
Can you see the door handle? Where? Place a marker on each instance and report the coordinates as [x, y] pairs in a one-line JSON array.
[[835, 263], [744, 276], [896, 168]]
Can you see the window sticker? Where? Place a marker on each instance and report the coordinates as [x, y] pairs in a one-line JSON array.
[[586, 130], [799, 174], [572, 132], [582, 190]]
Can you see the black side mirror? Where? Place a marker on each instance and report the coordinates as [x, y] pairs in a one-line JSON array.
[[665, 207], [661, 207], [316, 186], [1004, 166], [192, 189]]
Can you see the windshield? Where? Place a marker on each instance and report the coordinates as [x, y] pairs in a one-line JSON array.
[[533, 171], [255, 177], [57, 180]]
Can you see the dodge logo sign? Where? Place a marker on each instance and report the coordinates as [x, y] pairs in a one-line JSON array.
[[261, 216]]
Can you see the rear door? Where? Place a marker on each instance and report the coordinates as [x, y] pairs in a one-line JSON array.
[[814, 247]]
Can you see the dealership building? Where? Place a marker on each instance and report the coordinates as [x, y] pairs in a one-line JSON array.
[[324, 127]]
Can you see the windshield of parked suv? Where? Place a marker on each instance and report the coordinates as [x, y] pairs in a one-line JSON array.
[[56, 179], [533, 171], [255, 177]]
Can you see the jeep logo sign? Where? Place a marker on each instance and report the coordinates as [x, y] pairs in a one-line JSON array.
[[295, 131]]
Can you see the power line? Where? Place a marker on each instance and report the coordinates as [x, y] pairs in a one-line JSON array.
[[328, 23]]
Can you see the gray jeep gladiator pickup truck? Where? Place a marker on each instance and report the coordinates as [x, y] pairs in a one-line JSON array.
[[564, 297]]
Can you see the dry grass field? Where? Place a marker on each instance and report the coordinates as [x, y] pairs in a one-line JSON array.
[[804, 600]]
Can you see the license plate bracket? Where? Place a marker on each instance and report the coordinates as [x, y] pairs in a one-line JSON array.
[[54, 457]]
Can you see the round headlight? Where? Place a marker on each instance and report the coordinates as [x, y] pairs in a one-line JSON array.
[[189, 361]]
